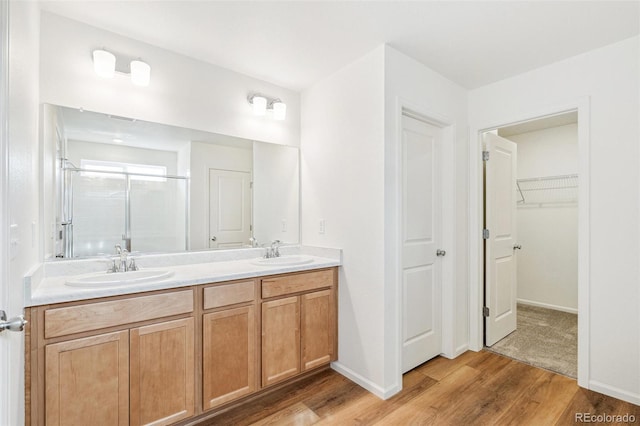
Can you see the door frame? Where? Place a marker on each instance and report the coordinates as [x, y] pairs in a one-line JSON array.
[[476, 220], [393, 274], [5, 390]]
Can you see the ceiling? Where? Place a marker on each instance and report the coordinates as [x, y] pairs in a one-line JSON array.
[[539, 124], [296, 43]]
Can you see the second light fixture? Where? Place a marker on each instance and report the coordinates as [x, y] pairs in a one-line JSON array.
[[261, 104], [104, 64]]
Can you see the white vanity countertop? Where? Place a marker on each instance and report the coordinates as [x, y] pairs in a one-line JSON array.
[[46, 287]]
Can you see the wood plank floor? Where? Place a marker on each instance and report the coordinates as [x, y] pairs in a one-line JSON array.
[[477, 388]]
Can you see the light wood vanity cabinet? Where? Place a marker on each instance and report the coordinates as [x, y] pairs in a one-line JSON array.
[[88, 379], [176, 355], [298, 330], [229, 343], [280, 339], [162, 372], [319, 328], [120, 361]]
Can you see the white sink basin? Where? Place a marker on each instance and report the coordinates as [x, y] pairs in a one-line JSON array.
[[104, 279], [283, 261]]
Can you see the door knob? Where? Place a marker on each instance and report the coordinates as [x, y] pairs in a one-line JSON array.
[[517, 247], [14, 324], [440, 253], [213, 238]]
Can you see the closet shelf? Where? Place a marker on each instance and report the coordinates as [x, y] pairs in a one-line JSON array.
[[557, 189]]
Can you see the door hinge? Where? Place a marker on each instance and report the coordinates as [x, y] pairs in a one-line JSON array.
[[485, 311], [485, 234], [250, 185], [485, 155]]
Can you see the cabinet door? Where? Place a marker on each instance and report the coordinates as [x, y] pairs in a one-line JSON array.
[[162, 372], [88, 379], [228, 355], [280, 339], [318, 328]]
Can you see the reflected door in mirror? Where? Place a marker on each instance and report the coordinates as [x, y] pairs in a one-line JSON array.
[[229, 208]]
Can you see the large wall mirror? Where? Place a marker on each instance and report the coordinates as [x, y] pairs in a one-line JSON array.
[[155, 188]]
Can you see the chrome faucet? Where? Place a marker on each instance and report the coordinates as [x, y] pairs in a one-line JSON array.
[[274, 250], [123, 267]]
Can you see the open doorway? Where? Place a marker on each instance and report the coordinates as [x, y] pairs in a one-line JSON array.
[[531, 260]]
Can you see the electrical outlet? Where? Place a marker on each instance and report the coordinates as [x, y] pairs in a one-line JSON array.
[[321, 226], [284, 225]]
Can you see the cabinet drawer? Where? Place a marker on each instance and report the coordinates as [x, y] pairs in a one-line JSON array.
[[229, 294], [278, 286], [94, 316]]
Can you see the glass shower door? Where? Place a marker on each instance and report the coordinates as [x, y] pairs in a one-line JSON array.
[[98, 212], [158, 214]]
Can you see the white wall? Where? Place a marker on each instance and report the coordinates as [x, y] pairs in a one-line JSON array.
[[548, 233], [276, 193], [342, 170], [23, 184], [205, 156], [410, 84], [609, 77], [349, 172], [547, 152], [183, 92]]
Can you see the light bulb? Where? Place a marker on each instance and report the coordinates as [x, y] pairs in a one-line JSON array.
[[140, 73], [259, 105], [104, 63]]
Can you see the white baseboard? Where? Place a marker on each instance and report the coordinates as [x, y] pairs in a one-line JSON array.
[[548, 306], [457, 352], [366, 383], [631, 397], [462, 349]]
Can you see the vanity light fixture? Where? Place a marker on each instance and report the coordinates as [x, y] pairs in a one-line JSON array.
[[261, 104], [140, 73], [105, 65]]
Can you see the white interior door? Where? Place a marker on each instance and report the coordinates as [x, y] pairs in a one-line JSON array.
[[500, 258], [421, 224], [229, 208], [8, 344]]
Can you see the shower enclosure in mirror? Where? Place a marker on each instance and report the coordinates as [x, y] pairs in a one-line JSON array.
[[109, 203], [153, 188]]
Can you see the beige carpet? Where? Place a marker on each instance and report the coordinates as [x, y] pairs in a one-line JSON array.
[[545, 338]]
